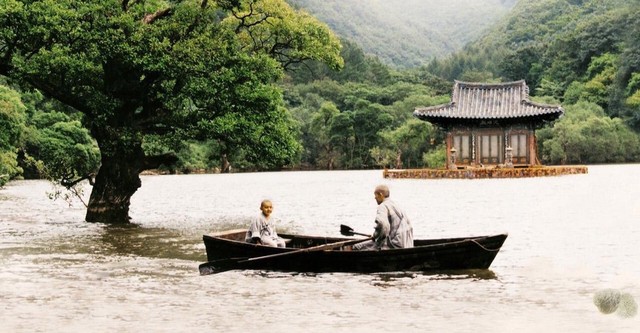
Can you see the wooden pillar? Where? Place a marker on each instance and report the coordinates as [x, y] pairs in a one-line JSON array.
[[533, 149], [449, 144]]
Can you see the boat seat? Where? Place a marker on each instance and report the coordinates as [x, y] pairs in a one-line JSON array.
[[286, 241]]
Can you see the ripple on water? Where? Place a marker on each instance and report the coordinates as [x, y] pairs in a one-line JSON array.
[[568, 238]]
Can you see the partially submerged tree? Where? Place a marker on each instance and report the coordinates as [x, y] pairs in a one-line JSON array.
[[186, 69]]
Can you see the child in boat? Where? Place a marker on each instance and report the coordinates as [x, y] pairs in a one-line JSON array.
[[262, 230]]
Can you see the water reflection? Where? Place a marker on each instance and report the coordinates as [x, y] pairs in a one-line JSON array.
[[569, 237], [381, 279], [279, 275], [477, 274], [141, 241], [395, 279]]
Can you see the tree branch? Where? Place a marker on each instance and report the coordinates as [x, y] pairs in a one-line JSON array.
[[69, 183], [150, 18], [243, 19], [61, 95]]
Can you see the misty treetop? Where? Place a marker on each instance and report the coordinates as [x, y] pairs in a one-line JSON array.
[[408, 33]]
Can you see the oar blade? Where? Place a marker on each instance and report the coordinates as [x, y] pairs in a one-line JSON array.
[[219, 266], [346, 230]]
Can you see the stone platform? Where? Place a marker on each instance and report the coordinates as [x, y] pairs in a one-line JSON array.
[[486, 172]]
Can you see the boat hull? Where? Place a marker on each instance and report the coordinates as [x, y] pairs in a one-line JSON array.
[[427, 255]]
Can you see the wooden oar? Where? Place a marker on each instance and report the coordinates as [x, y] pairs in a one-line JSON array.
[[223, 265], [348, 231]]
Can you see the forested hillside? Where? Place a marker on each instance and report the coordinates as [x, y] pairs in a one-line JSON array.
[[407, 33], [581, 54], [584, 54]]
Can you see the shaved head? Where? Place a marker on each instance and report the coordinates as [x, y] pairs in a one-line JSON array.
[[382, 189]]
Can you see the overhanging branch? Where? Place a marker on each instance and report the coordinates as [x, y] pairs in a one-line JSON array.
[[150, 18], [54, 92], [68, 183]]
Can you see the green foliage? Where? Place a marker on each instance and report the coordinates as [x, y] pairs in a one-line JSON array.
[[289, 35], [634, 84], [362, 125], [574, 92], [59, 148], [12, 119], [8, 166], [38, 142], [435, 158], [200, 83], [407, 33], [601, 73], [554, 39], [404, 146], [320, 130], [549, 88], [402, 108], [586, 135], [634, 100], [358, 67], [193, 157], [572, 50], [168, 68]]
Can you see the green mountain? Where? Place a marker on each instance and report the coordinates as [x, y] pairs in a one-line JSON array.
[[407, 33], [570, 50]]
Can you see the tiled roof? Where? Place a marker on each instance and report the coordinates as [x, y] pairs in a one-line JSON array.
[[471, 100]]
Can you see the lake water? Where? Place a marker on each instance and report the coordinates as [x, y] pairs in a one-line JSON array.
[[569, 238]]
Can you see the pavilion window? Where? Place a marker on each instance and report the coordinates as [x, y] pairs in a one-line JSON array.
[[519, 145], [462, 143], [490, 148]]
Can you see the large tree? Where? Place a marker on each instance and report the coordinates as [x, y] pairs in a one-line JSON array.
[[186, 69]]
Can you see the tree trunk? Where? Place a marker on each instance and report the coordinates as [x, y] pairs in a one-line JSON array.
[[225, 166], [119, 176], [116, 182], [399, 160]]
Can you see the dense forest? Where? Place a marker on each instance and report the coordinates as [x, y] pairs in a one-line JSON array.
[[580, 53], [408, 33], [584, 55]]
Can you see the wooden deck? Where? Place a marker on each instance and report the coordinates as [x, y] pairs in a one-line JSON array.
[[487, 172]]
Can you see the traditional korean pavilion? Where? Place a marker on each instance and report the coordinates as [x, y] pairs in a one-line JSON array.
[[490, 124]]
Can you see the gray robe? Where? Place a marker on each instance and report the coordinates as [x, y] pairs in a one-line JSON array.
[[263, 228], [393, 229]]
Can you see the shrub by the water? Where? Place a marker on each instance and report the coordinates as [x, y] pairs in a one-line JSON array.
[[627, 307], [607, 300]]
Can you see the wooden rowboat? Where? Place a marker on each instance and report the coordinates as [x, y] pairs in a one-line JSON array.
[[228, 251]]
